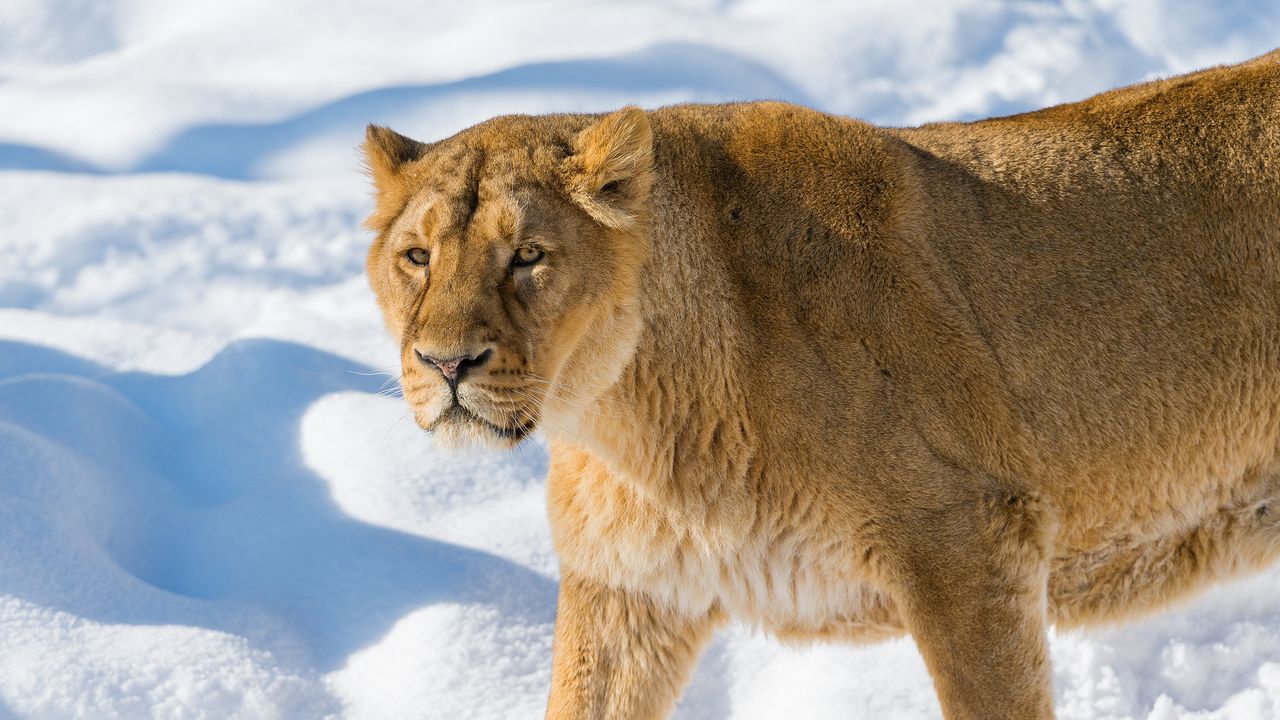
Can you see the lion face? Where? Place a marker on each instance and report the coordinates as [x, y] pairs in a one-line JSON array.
[[506, 266]]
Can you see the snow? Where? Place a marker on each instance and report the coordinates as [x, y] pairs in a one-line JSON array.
[[212, 504]]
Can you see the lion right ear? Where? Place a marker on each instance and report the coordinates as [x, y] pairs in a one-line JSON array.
[[385, 154], [610, 171]]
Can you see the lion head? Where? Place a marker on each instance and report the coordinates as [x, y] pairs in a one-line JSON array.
[[507, 264]]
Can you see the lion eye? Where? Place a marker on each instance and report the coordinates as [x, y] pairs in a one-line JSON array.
[[418, 256], [526, 256]]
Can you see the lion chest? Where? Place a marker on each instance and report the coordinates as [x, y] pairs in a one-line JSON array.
[[760, 568]]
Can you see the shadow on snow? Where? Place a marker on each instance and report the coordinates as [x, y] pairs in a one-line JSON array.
[[237, 150], [195, 485]]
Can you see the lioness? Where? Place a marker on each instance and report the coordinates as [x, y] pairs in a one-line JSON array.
[[841, 381]]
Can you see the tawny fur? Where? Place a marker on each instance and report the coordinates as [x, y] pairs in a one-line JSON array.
[[841, 381]]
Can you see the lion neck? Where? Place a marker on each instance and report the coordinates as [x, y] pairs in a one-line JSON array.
[[675, 425]]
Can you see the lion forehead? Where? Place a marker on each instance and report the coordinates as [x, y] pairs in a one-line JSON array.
[[448, 210]]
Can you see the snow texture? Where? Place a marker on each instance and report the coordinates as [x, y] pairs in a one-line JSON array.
[[211, 506]]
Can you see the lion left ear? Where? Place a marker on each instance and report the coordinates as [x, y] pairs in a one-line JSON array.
[[610, 171]]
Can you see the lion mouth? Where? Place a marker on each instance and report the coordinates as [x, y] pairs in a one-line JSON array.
[[515, 433]]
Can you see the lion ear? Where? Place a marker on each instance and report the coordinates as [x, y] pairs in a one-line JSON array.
[[611, 169], [385, 154]]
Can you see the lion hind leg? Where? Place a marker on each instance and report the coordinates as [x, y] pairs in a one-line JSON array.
[[1114, 583]]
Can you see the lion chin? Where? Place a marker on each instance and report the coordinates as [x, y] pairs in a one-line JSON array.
[[457, 427], [838, 381]]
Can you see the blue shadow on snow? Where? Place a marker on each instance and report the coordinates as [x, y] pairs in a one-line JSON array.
[[236, 516], [237, 150]]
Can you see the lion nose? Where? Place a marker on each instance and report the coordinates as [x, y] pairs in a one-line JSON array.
[[453, 369]]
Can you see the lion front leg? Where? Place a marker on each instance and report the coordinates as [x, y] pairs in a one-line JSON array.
[[618, 655], [972, 594]]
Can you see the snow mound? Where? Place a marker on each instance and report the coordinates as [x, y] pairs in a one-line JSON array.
[[174, 518]]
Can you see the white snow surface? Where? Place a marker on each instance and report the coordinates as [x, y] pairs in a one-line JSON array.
[[210, 507]]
